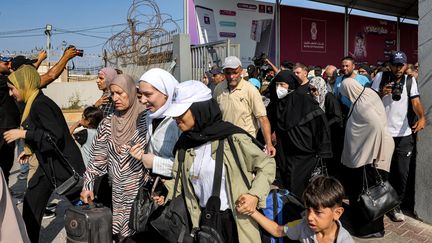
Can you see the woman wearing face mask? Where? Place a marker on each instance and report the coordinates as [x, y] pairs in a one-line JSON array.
[[301, 130], [200, 119], [111, 153], [328, 103]]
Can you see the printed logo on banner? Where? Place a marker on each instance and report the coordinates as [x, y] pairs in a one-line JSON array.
[[227, 34], [269, 9], [246, 6], [313, 35], [227, 12]]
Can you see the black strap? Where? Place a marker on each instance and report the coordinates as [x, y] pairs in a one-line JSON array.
[[275, 205], [352, 107], [59, 153], [217, 179], [180, 158], [365, 181], [237, 160]]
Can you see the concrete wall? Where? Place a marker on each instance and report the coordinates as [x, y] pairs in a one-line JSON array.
[[87, 91], [423, 184]]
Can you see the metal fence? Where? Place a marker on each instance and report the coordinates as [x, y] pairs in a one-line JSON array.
[[208, 55]]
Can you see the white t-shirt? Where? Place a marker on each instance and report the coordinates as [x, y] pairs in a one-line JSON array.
[[397, 111]]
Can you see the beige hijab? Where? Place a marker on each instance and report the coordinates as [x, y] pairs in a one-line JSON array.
[[124, 122], [367, 139]]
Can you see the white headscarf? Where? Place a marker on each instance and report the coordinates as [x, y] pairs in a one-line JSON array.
[[367, 139], [165, 83], [320, 84]]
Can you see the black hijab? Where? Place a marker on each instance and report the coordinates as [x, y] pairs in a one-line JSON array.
[[298, 107], [209, 126]]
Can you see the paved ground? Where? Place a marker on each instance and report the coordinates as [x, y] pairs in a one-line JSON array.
[[53, 229]]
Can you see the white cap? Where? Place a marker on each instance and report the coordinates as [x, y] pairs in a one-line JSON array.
[[231, 62], [185, 94]]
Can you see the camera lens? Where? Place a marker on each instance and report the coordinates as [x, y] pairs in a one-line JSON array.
[[397, 92]]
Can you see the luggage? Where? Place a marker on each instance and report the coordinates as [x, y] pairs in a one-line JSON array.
[[281, 207], [88, 223]]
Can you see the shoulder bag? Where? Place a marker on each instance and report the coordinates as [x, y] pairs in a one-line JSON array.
[[173, 223], [211, 223], [377, 200], [74, 183]]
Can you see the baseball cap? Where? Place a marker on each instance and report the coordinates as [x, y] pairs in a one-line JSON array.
[[185, 94], [5, 59], [18, 61], [398, 57], [231, 62], [216, 71]]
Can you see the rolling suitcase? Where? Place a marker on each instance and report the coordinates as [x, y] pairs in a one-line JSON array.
[[88, 223]]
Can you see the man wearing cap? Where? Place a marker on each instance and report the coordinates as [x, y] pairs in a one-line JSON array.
[[218, 77], [9, 118], [393, 89], [241, 103]]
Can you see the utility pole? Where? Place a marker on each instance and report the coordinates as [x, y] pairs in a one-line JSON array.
[[48, 30], [105, 58], [131, 23]]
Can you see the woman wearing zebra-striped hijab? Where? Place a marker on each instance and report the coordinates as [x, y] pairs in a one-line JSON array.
[[111, 152]]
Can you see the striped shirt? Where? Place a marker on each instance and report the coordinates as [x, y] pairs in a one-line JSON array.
[[126, 172]]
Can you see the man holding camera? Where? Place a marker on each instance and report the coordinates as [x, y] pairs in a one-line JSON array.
[[400, 94]]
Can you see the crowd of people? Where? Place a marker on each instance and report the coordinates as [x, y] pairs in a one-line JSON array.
[[271, 128]]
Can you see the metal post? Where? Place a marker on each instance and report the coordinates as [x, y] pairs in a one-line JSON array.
[[48, 29], [277, 33], [398, 34], [346, 32], [228, 52], [185, 16]]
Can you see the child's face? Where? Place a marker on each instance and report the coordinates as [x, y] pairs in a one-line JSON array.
[[323, 218]]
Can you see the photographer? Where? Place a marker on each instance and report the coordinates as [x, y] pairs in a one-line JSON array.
[[399, 92]]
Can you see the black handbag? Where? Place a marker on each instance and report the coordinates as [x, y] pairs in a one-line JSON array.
[[144, 208], [320, 169], [74, 183], [377, 200], [211, 223], [173, 223]]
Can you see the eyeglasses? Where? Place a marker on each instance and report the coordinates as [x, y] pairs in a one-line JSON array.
[[5, 59]]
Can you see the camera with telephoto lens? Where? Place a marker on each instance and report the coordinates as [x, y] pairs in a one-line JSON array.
[[397, 89], [260, 62], [80, 52]]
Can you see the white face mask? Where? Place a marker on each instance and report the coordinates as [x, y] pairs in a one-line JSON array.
[[282, 92]]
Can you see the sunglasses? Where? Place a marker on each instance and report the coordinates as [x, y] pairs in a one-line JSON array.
[[5, 59]]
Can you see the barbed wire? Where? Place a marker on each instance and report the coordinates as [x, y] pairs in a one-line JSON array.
[[146, 39]]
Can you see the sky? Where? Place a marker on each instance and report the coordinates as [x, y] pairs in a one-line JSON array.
[[18, 15], [24, 22]]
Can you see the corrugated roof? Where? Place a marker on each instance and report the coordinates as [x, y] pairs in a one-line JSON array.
[[399, 8]]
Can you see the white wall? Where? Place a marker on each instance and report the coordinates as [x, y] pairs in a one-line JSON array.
[[87, 91]]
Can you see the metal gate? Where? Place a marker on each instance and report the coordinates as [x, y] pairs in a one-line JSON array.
[[207, 55]]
